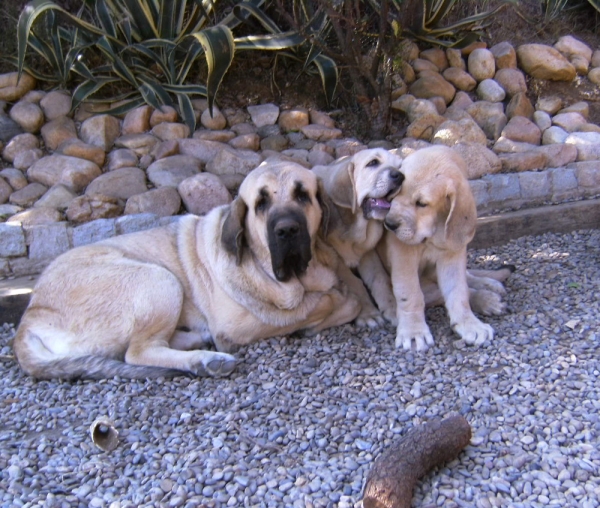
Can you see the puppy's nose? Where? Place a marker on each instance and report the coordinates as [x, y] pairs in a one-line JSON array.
[[396, 177], [286, 229], [392, 226]]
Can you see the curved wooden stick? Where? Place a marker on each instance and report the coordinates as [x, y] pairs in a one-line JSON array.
[[392, 478]]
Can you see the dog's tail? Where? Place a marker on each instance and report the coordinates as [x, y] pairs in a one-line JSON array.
[[99, 367]]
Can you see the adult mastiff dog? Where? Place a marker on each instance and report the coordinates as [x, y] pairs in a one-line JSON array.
[[144, 304]]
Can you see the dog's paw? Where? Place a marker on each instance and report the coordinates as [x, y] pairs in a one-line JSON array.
[[421, 338], [474, 332], [487, 303], [369, 317], [390, 316], [487, 283], [215, 365]]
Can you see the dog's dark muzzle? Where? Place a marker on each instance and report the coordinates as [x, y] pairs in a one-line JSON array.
[[289, 243]]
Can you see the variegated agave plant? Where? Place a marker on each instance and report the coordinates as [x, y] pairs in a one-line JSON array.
[[149, 48]]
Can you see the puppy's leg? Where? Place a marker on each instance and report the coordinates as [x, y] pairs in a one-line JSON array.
[[482, 301], [369, 315], [410, 302], [377, 279], [452, 279]]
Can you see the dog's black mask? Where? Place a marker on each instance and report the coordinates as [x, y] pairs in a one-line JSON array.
[[289, 243]]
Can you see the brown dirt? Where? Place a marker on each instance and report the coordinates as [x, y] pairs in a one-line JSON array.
[[262, 78]]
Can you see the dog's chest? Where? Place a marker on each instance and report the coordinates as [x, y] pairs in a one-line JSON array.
[[358, 241]]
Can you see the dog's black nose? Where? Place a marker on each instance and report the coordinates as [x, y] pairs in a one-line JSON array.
[[392, 226], [286, 229], [397, 177]]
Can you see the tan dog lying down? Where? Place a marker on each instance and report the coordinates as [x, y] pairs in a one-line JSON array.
[[429, 224], [360, 187], [142, 305]]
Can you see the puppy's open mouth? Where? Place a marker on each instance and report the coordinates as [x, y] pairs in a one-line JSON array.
[[375, 208]]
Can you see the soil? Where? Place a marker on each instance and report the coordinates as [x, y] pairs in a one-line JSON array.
[[263, 78]]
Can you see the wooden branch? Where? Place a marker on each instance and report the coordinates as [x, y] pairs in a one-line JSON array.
[[392, 478]]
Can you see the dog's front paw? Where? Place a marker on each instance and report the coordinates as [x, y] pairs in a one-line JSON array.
[[488, 284], [421, 338], [474, 332], [487, 303], [371, 319], [390, 316], [215, 365]]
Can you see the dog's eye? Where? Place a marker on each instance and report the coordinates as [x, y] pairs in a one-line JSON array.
[[421, 204], [262, 203], [302, 197], [373, 163]]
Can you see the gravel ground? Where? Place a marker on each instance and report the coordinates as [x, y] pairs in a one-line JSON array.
[[301, 420]]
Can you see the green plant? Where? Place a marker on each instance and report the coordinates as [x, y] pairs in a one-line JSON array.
[[147, 49]]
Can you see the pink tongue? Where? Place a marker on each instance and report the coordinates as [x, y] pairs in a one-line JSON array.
[[380, 203]]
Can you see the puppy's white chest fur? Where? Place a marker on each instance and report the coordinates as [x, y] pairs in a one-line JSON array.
[[353, 245]]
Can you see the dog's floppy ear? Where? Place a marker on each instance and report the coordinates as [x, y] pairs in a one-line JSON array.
[[326, 206], [341, 185], [232, 232], [462, 218]]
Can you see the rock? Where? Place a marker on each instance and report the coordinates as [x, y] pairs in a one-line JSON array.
[[231, 161], [480, 160], [276, 142], [12, 88], [570, 122], [171, 171], [220, 136], [18, 144], [455, 59], [15, 178], [512, 81], [421, 65], [424, 127], [436, 56], [73, 172], [166, 131], [504, 55], [137, 120], [201, 149], [92, 207], [320, 118], [121, 183], [432, 85], [29, 116], [215, 121], [550, 105], [542, 119], [8, 128], [201, 193], [164, 114], [558, 155], [459, 78], [56, 104], [58, 197], [489, 116], [572, 47], [450, 133], [461, 100], [5, 190], [121, 158], [545, 62], [58, 131], [582, 107], [28, 195], [321, 133], [265, 114], [520, 105], [37, 216], [141, 144], [24, 160], [524, 161], [594, 76], [523, 130], [554, 134], [77, 148], [292, 120], [164, 201], [587, 144], [489, 90], [481, 64], [246, 142], [166, 149], [101, 131]]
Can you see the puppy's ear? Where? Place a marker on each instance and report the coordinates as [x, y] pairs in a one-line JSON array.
[[462, 218], [341, 185], [326, 206], [232, 232]]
